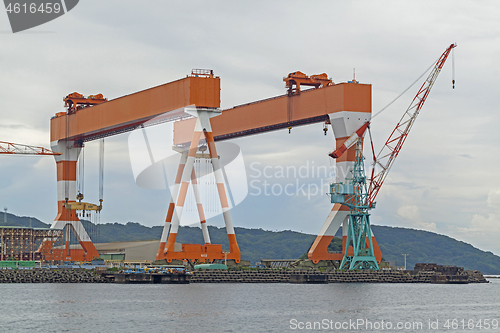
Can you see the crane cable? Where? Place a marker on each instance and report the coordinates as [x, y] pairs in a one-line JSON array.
[[97, 215], [453, 67], [101, 169], [81, 172], [66, 160], [417, 80], [374, 156]]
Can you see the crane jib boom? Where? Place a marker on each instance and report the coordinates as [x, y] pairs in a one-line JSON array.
[[394, 143], [17, 148]]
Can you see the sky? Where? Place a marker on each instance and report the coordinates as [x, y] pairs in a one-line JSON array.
[[445, 179]]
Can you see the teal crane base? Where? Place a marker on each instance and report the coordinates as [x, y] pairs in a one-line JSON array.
[[358, 234]]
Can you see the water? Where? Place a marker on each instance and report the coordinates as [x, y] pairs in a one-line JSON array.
[[245, 307]]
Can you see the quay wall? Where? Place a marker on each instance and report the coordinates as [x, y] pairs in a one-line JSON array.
[[233, 276], [283, 276]]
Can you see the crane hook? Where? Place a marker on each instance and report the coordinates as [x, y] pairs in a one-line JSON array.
[[453, 67]]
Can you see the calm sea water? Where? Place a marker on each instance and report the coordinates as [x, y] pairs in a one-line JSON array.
[[248, 307]]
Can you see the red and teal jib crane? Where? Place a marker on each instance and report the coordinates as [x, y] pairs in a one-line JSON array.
[[354, 193]]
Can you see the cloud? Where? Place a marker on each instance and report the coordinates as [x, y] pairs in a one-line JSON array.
[[493, 198], [482, 231], [485, 224], [12, 126], [409, 212], [407, 185], [412, 213]]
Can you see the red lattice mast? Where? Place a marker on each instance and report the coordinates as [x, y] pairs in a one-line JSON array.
[[394, 143]]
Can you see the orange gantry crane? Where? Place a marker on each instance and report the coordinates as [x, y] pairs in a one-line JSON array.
[[346, 106]]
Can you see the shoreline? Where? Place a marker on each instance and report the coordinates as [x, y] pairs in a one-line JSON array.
[[245, 276]]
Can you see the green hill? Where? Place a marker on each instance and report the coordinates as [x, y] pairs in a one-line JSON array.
[[422, 246], [425, 246], [21, 221]]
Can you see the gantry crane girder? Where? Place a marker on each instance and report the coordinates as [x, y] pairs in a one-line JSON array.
[[126, 113], [280, 112]]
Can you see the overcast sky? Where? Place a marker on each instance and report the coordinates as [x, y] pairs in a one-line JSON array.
[[445, 179]]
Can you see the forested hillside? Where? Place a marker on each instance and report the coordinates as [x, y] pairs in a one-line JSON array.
[[422, 246]]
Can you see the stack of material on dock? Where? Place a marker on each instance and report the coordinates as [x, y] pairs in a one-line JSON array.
[[448, 274]]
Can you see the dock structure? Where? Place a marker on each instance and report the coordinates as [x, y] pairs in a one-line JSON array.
[[305, 276], [277, 263], [152, 278], [22, 243], [332, 276]]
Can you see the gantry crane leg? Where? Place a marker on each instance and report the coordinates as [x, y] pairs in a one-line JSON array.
[[66, 193], [343, 123], [171, 207], [173, 200], [185, 175]]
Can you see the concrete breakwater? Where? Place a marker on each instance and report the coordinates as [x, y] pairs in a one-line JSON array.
[[283, 276], [50, 276], [234, 276]]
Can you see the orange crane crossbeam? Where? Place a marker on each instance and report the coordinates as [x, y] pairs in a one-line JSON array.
[[311, 106], [127, 112]]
